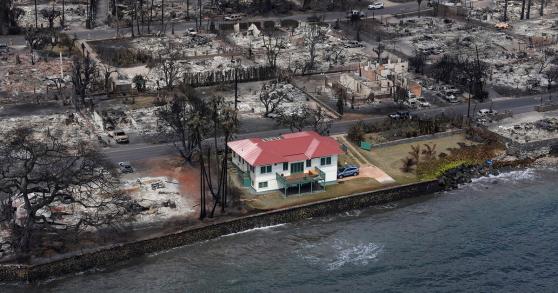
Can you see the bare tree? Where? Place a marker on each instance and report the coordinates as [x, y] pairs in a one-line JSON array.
[[314, 36], [180, 116], [529, 3], [295, 120], [50, 15], [37, 39], [419, 2], [51, 189], [83, 72], [271, 97], [548, 57], [107, 72], [318, 120], [522, 9], [273, 44], [379, 50]]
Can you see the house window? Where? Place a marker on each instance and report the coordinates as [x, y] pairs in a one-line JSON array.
[[308, 163], [265, 169], [262, 184], [325, 161], [285, 166]]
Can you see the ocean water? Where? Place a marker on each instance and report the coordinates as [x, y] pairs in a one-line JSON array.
[[499, 234]]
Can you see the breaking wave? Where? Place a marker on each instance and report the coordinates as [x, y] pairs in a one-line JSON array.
[[255, 229], [511, 176]]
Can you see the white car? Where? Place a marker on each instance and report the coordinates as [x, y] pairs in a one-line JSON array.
[[376, 5], [487, 112], [191, 32]]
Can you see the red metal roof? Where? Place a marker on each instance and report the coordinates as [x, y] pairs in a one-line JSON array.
[[290, 147]]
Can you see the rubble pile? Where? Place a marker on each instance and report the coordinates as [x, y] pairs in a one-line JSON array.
[[542, 129], [24, 82], [251, 106], [70, 127], [74, 14], [156, 199]]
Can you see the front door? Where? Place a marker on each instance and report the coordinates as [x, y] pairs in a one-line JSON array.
[[297, 168]]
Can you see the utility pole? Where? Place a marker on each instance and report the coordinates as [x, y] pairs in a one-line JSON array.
[[117, 20], [235, 89]]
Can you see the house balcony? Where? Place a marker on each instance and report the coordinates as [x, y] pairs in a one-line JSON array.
[[298, 180]]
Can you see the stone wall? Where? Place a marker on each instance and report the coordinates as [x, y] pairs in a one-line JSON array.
[[109, 255]]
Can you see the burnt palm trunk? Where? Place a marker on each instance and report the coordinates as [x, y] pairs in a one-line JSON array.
[[529, 9], [541, 12], [36, 17], [505, 10], [522, 9]]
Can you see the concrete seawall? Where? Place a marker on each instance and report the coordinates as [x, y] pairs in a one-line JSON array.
[[112, 254]]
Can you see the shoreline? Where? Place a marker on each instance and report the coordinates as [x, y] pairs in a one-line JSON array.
[[113, 254]]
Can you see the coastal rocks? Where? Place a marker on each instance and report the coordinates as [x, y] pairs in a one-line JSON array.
[[464, 174]]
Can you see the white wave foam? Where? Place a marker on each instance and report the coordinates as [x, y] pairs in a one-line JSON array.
[[358, 255], [255, 229], [511, 176]]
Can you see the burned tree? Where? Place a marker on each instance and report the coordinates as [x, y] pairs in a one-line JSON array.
[[50, 15], [37, 39], [107, 72], [379, 50], [180, 116], [314, 118], [273, 44], [9, 15], [314, 36], [271, 97], [83, 72], [53, 191]]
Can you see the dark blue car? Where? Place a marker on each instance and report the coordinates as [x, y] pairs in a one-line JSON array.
[[347, 171]]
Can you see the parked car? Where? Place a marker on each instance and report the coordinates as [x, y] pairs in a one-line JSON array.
[[119, 136], [487, 112], [233, 17], [191, 32], [125, 167], [376, 5], [353, 44], [347, 171], [400, 115], [355, 15], [452, 99]]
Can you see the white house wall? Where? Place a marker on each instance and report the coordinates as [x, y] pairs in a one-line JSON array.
[[271, 179]]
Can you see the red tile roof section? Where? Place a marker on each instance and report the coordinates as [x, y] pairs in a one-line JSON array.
[[290, 147]]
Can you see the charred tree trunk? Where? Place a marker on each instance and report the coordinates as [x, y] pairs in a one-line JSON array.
[[529, 3], [522, 9]]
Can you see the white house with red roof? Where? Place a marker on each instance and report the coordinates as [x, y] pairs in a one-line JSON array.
[[301, 160]]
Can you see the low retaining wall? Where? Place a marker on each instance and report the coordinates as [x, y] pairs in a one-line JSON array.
[[109, 255], [419, 138]]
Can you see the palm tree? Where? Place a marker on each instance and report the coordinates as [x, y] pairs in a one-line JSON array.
[[419, 2], [408, 164], [429, 152], [415, 152]]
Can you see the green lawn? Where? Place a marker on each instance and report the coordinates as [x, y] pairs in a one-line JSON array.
[[389, 158]]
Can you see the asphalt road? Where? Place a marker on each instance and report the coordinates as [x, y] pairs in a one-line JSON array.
[[101, 33], [142, 151]]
